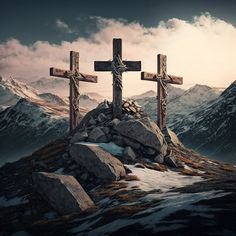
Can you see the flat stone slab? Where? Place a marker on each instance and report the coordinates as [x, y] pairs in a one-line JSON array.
[[97, 161], [63, 192]]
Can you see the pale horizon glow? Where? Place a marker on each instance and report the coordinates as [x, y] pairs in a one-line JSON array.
[[202, 51]]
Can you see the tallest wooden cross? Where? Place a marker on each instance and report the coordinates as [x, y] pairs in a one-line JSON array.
[[117, 66]]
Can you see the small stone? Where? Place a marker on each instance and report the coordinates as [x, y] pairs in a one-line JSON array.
[[136, 105], [104, 105], [140, 165], [84, 176], [65, 156], [127, 109], [170, 161], [109, 117], [126, 104], [150, 151], [92, 121], [171, 137], [133, 144], [114, 122], [132, 109], [79, 136], [97, 136], [129, 154], [128, 171], [159, 159], [118, 140], [101, 117], [106, 130]]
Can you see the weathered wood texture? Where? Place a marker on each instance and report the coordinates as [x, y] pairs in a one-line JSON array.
[[117, 92], [108, 66], [74, 76]]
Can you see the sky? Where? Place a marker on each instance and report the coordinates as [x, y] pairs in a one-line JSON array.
[[198, 38]]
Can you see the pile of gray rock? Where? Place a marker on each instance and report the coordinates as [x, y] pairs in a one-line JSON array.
[[140, 137]]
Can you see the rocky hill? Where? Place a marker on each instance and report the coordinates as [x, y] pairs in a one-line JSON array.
[[211, 129], [115, 177]]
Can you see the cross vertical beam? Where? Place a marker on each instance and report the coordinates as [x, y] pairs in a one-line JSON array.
[[161, 92], [74, 113], [117, 90]]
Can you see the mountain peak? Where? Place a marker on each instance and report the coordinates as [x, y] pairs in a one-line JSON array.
[[11, 90], [230, 91]]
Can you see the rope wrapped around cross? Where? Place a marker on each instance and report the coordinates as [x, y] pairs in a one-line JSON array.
[[74, 78], [163, 84], [118, 67]]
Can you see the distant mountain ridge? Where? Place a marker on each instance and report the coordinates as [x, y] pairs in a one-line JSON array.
[[29, 120], [211, 128], [179, 102]]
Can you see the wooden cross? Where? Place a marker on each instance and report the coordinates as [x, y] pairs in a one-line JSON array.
[[117, 66], [74, 76], [162, 78]]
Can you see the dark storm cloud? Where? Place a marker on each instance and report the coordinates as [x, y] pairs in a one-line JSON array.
[[29, 21]]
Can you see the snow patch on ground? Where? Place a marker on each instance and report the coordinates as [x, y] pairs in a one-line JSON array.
[[169, 201], [153, 218], [109, 147], [112, 148], [164, 181], [59, 171], [211, 162]]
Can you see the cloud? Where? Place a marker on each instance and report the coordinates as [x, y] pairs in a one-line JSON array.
[[63, 26], [202, 51]]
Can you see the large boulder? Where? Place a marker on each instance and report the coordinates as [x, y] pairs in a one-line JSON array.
[[97, 161], [143, 131], [63, 192]]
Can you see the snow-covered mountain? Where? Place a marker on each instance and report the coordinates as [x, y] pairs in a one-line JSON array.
[[54, 99], [51, 85], [190, 100], [29, 125], [211, 129], [149, 93], [88, 102], [11, 90], [180, 102], [29, 120]]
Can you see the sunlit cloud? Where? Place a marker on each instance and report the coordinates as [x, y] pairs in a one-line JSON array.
[[201, 50]]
